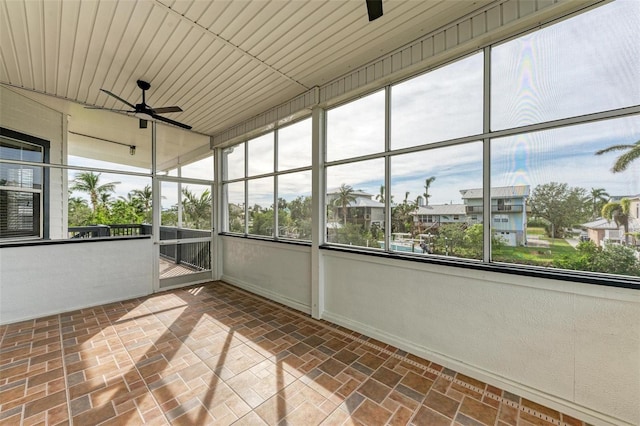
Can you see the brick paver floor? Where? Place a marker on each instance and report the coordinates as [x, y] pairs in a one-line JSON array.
[[214, 354]]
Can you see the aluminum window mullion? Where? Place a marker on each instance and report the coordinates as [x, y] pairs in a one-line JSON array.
[[486, 159], [265, 175], [275, 185], [387, 170], [246, 188]]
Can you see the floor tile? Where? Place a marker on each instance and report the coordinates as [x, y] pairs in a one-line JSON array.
[[214, 354]]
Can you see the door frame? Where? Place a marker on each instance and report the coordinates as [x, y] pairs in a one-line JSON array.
[[188, 279]]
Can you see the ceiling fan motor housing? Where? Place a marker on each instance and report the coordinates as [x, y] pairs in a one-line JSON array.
[[143, 85]]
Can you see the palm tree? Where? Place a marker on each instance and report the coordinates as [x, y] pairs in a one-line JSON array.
[[598, 197], [144, 197], [105, 199], [380, 196], [77, 202], [345, 197], [78, 211], [197, 209], [626, 158], [427, 185], [89, 182], [619, 213]]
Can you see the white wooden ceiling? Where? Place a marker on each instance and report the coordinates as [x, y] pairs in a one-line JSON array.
[[221, 61]]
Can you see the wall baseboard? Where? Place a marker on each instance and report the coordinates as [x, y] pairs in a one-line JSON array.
[[276, 297], [520, 389]]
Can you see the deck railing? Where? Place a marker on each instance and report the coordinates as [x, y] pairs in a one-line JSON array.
[[196, 255]]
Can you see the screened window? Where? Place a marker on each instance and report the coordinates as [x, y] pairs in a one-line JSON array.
[[567, 190], [233, 158], [580, 66], [294, 145], [273, 198], [442, 104], [356, 128], [556, 138], [428, 191], [260, 206], [260, 155], [294, 205], [355, 215]]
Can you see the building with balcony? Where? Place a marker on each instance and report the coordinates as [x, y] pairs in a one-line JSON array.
[[362, 210], [508, 211], [430, 217]]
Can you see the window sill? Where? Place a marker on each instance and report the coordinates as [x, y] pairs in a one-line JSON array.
[[27, 243]]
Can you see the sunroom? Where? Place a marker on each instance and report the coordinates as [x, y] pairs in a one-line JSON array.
[[158, 146]]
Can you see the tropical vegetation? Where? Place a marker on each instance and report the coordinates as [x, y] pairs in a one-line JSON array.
[[555, 210], [92, 202]]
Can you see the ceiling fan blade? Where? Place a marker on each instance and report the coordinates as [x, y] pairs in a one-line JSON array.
[[163, 110], [168, 120], [374, 9], [109, 109], [118, 98]]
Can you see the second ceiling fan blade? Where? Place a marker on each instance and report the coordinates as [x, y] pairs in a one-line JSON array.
[[168, 120], [108, 109], [163, 110], [118, 98], [374, 9]]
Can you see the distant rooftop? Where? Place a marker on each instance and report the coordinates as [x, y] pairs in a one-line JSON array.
[[441, 209], [355, 192], [516, 191], [600, 223]]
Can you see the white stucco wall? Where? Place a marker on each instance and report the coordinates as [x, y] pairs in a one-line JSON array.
[[26, 116], [281, 272], [39, 280], [572, 346]]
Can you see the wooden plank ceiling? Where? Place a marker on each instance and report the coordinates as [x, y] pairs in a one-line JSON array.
[[221, 61]]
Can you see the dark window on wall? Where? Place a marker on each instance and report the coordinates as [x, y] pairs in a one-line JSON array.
[[23, 186]]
